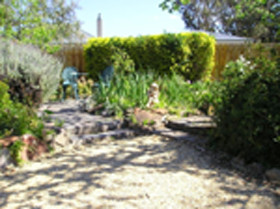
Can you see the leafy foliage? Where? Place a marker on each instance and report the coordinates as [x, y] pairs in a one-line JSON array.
[[130, 90], [28, 70], [15, 149], [15, 118], [38, 22], [189, 54], [122, 62], [252, 18], [247, 113]]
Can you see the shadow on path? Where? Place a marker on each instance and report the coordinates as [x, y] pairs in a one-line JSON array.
[[145, 172]]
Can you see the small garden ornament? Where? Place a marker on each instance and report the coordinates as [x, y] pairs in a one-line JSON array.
[[153, 95]]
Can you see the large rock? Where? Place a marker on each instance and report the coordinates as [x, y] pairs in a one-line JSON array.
[[193, 124], [151, 118], [5, 142], [273, 175], [61, 140], [33, 148]]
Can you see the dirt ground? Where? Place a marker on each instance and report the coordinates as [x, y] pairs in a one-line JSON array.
[[144, 172]]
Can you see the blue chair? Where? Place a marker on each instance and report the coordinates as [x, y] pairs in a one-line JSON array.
[[105, 77], [70, 78]]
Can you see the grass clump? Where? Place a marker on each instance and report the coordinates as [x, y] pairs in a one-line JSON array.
[[130, 90]]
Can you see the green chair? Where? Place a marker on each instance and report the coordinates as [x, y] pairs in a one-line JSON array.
[[105, 77], [70, 78]]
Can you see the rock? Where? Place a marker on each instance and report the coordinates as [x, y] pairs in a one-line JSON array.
[[5, 142], [33, 148], [87, 105], [90, 138], [148, 118], [273, 175], [193, 124], [5, 158], [61, 140]]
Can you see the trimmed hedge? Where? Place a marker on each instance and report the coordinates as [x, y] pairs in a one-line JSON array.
[[189, 54]]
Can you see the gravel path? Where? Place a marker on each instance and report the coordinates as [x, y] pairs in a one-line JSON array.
[[144, 172]]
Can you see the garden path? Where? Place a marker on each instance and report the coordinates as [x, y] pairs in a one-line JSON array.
[[142, 172]]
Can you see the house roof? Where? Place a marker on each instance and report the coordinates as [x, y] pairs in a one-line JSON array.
[[225, 38], [230, 39], [80, 37]]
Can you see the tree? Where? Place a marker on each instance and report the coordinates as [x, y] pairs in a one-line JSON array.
[[253, 18], [39, 22]]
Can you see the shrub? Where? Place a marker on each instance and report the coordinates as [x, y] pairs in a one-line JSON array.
[[189, 54], [29, 70], [247, 115], [122, 62], [15, 118]]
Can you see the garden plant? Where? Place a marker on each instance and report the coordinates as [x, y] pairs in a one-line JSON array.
[[247, 111]]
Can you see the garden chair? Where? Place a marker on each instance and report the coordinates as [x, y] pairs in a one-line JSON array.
[[105, 77], [70, 78]]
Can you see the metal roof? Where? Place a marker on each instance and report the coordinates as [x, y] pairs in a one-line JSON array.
[[225, 38], [81, 37], [230, 39]]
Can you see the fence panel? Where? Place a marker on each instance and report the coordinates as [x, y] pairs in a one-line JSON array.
[[72, 55]]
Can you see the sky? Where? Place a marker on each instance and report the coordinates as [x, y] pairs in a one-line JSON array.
[[125, 18]]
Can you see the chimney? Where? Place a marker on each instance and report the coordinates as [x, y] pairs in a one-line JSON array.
[[99, 25]]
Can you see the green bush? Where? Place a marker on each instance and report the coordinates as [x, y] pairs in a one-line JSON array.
[[247, 114], [189, 54], [15, 118], [26, 69], [122, 62]]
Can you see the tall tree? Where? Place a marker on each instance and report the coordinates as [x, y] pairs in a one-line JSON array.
[[253, 18], [38, 21]]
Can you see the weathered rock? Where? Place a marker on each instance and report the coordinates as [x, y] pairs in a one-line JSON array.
[[5, 158], [193, 124], [5, 142], [273, 175], [89, 138], [61, 140], [33, 148], [147, 118], [87, 105]]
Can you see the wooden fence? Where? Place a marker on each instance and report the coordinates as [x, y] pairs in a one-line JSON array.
[[72, 55], [231, 52], [224, 54]]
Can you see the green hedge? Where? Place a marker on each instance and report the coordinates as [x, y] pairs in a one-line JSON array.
[[190, 54]]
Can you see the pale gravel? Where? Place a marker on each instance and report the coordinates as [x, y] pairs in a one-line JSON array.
[[144, 172]]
